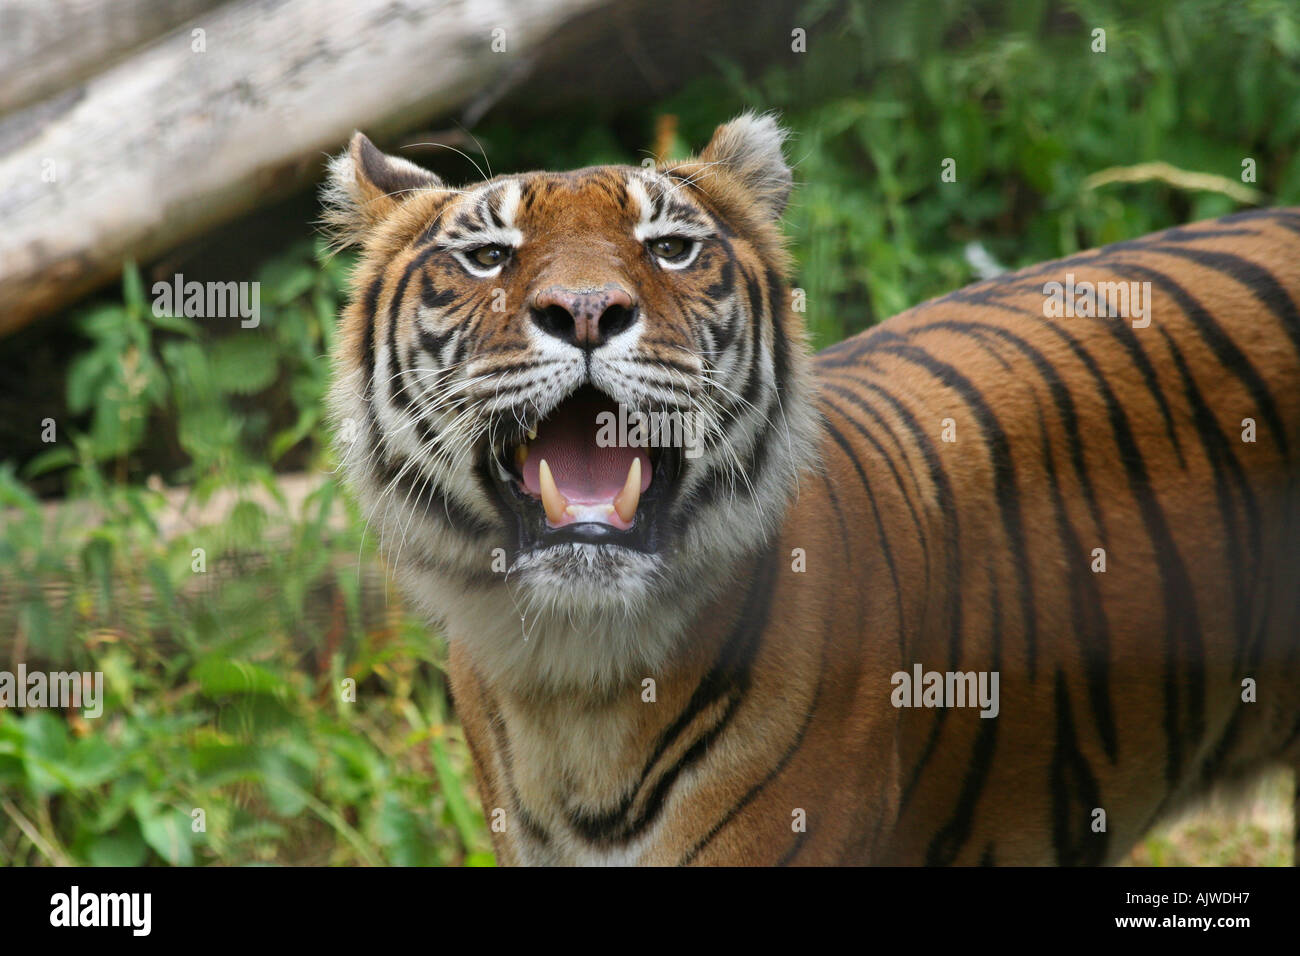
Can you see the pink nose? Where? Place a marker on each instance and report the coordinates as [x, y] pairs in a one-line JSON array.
[[584, 317]]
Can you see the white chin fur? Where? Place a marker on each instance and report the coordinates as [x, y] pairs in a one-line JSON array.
[[584, 579], [573, 616]]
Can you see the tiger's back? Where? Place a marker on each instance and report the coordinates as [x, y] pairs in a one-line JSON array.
[[1102, 510]]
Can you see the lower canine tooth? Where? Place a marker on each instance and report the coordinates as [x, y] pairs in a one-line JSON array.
[[625, 501], [552, 500]]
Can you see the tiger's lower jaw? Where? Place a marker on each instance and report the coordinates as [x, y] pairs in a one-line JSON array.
[[591, 579]]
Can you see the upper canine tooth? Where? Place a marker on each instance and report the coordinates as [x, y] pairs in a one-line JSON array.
[[521, 455], [625, 501], [552, 500], [532, 434]]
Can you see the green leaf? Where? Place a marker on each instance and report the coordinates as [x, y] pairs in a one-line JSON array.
[[166, 830], [44, 750], [123, 847], [219, 676], [399, 832], [133, 290], [87, 374], [308, 418], [284, 782], [105, 322], [175, 323], [244, 362], [51, 460], [453, 791], [285, 279], [108, 815]]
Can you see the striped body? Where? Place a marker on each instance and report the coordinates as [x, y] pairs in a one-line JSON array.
[[1120, 690]]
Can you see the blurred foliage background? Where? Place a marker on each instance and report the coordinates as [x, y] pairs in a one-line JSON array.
[[186, 536]]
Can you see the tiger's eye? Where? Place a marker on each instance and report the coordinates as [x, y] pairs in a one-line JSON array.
[[488, 256], [670, 247]]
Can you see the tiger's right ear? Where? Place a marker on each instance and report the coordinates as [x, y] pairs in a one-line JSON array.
[[364, 186]]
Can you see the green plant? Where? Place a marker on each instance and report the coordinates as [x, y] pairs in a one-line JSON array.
[[250, 673]]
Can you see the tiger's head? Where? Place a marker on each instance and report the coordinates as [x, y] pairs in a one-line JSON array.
[[572, 402]]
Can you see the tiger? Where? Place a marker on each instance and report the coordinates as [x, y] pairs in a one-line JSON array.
[[1003, 580]]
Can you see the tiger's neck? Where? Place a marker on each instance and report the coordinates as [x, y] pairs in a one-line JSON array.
[[619, 776], [585, 777]]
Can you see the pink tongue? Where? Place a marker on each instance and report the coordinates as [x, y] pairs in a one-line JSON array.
[[584, 472]]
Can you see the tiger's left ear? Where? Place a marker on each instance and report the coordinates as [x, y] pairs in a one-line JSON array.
[[365, 186], [750, 148]]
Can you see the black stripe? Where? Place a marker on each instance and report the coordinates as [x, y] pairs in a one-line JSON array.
[[780, 342], [1075, 794], [434, 342], [398, 395], [1225, 350], [724, 331], [368, 334], [726, 284], [1279, 215], [1291, 225], [885, 550], [429, 497], [433, 298], [1224, 464], [922, 537], [1124, 333], [493, 213], [905, 458], [1087, 611], [717, 480], [950, 839], [496, 724], [1023, 281]]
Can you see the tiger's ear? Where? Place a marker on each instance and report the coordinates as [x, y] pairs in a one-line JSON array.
[[364, 186], [749, 147]]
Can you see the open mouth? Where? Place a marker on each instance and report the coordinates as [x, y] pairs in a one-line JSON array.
[[570, 480]]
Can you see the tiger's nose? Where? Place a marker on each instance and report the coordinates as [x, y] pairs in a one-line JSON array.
[[587, 318]]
